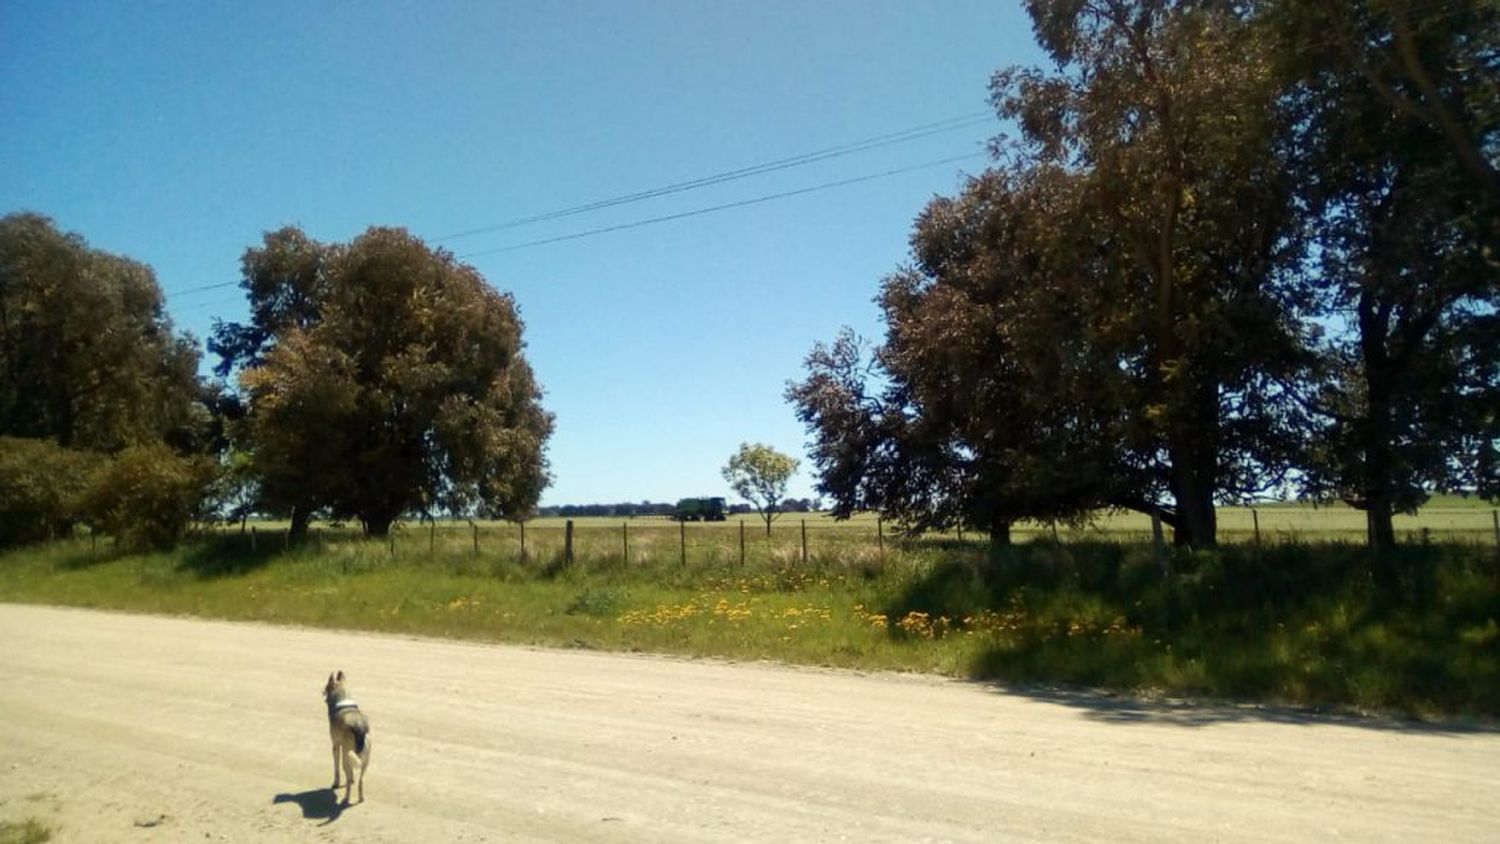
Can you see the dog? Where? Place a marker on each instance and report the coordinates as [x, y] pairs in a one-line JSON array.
[[350, 731]]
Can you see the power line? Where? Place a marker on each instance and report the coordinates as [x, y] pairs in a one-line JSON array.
[[726, 206], [916, 132], [205, 288]]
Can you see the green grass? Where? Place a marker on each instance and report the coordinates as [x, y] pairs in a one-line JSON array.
[[1318, 624], [29, 831]]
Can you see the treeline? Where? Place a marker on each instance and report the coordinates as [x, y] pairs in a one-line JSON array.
[[1233, 249], [648, 508], [373, 379]]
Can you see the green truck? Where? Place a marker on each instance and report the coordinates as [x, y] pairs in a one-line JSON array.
[[700, 510]]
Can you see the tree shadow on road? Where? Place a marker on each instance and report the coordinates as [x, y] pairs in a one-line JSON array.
[[319, 804], [1124, 709]]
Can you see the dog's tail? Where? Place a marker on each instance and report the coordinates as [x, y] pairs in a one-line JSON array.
[[360, 728]]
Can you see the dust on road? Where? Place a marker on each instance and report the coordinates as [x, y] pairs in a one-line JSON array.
[[120, 728]]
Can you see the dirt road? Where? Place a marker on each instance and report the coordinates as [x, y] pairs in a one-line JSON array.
[[131, 728]]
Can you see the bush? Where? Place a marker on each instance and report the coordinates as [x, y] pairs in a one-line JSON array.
[[41, 489], [147, 496]]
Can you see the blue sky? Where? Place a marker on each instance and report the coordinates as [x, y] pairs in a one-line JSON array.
[[177, 133]]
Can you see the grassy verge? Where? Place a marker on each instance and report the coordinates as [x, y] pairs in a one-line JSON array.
[[1323, 625]]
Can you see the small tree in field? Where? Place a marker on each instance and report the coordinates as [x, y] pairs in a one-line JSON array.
[[759, 474]]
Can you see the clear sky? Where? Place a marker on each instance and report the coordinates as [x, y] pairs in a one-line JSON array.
[[177, 133]]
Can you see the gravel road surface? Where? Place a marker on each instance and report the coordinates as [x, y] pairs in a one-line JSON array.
[[133, 728]]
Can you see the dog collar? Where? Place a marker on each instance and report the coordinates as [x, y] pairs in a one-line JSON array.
[[345, 704]]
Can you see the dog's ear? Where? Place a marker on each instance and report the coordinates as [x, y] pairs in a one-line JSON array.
[[341, 677]]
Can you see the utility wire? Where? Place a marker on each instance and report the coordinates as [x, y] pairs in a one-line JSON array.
[[914, 133], [726, 206], [963, 121]]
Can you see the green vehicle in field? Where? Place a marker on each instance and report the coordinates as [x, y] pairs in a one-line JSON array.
[[700, 510]]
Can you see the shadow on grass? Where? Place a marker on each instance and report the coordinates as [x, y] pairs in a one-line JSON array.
[[319, 804], [1324, 627], [228, 555]]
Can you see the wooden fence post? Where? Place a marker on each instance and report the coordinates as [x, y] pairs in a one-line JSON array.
[[1255, 518], [252, 540], [431, 536], [568, 542], [682, 540], [1495, 517], [880, 534], [742, 543], [523, 540], [625, 541], [476, 537], [804, 542]]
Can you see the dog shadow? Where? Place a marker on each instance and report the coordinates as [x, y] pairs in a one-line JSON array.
[[319, 804]]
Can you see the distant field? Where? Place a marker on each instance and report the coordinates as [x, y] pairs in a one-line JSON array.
[[1445, 519]]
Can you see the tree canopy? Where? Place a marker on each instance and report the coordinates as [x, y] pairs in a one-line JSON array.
[[382, 377], [88, 356], [1215, 263], [759, 474]]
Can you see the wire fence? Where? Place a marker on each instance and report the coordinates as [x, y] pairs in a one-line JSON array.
[[790, 541]]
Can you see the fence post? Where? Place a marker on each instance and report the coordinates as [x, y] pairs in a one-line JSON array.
[[960, 533], [252, 540], [522, 523], [682, 540], [804, 542], [1495, 517], [476, 537], [568, 542], [742, 543], [880, 534], [625, 541], [390, 538], [431, 536], [1255, 518]]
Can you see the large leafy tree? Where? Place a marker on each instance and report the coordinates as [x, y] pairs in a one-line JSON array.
[[989, 404], [1395, 107], [1108, 318], [383, 377], [1164, 109], [88, 356]]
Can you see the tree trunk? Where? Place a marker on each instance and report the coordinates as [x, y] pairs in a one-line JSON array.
[[301, 518], [1375, 481], [1000, 533]]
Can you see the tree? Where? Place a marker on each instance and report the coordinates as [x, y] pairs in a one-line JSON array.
[[383, 377], [1164, 109], [994, 405], [759, 474], [1108, 317], [1396, 113], [88, 356]]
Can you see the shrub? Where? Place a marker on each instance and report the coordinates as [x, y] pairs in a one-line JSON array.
[[41, 489], [147, 496]]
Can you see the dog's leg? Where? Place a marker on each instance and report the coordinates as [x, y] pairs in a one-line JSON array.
[[348, 774], [364, 762], [336, 762]]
